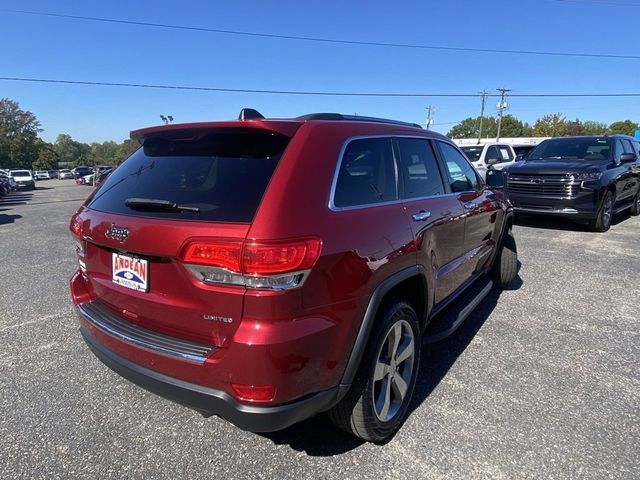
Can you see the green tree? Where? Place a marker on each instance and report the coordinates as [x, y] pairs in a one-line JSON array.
[[550, 126], [71, 153], [18, 134], [574, 127], [47, 158], [470, 127], [126, 148], [591, 127], [512, 127], [626, 127], [103, 153]]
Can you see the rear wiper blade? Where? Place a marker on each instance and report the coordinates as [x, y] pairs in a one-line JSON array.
[[155, 204]]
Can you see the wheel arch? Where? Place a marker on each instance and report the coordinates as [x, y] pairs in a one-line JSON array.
[[406, 285]]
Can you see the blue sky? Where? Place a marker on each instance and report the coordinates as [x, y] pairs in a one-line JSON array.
[[57, 48]]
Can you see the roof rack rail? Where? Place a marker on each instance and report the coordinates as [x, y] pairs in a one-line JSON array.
[[355, 118]]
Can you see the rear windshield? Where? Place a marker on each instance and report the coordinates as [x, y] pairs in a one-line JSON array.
[[221, 175], [20, 173], [473, 153]]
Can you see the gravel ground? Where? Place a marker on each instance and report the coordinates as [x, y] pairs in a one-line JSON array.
[[540, 382]]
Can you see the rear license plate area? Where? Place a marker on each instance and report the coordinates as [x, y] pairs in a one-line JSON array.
[[130, 272]]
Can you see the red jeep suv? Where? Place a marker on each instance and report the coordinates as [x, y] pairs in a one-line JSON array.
[[265, 270]]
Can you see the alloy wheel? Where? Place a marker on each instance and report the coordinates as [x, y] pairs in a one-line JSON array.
[[607, 210], [394, 367]]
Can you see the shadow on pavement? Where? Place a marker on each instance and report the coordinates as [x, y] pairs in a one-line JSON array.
[[318, 437], [558, 223], [16, 198], [5, 219]]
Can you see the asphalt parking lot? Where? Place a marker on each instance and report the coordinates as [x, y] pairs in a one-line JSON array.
[[542, 381]]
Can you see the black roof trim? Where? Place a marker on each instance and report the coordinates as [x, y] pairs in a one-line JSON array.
[[355, 118]]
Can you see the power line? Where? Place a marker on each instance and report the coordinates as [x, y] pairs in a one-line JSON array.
[[309, 93], [324, 39], [605, 3]]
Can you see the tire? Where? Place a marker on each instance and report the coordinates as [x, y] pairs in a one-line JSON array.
[[602, 222], [375, 407], [505, 267], [635, 208]]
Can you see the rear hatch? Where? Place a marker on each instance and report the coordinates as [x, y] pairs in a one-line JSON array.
[[182, 186]]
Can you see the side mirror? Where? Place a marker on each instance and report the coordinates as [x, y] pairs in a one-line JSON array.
[[492, 161], [628, 157], [496, 178]]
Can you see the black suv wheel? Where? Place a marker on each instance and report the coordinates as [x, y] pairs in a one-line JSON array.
[[635, 208], [603, 221]]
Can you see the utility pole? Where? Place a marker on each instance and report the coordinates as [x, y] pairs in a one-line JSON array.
[[502, 104], [430, 111], [483, 94]]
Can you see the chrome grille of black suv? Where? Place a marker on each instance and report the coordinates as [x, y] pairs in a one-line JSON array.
[[548, 184]]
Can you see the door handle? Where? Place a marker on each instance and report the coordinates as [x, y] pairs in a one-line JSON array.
[[421, 216], [470, 205]]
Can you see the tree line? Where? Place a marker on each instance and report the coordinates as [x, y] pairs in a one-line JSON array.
[[21, 146], [552, 125]]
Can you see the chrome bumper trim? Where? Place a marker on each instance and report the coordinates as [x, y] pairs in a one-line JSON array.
[[106, 321], [561, 211]]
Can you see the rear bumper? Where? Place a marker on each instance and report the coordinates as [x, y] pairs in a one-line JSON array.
[[25, 184], [210, 401]]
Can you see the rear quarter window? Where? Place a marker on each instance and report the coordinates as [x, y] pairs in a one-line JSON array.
[[367, 173], [222, 175]]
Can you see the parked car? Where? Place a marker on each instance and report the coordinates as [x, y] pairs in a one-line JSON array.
[[87, 179], [24, 179], [81, 171], [102, 174], [11, 180], [5, 186], [65, 173], [267, 270], [42, 175], [587, 178], [53, 173], [479, 155]]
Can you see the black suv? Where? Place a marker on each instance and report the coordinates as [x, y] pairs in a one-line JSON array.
[[586, 178]]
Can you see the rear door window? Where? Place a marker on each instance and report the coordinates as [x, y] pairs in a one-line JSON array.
[[219, 176], [367, 173], [505, 153], [419, 169]]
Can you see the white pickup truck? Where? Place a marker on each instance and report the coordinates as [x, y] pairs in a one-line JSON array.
[[480, 154], [24, 179]]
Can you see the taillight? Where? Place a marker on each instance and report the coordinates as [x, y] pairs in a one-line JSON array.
[[253, 264], [76, 227], [271, 258], [76, 231], [219, 254]]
